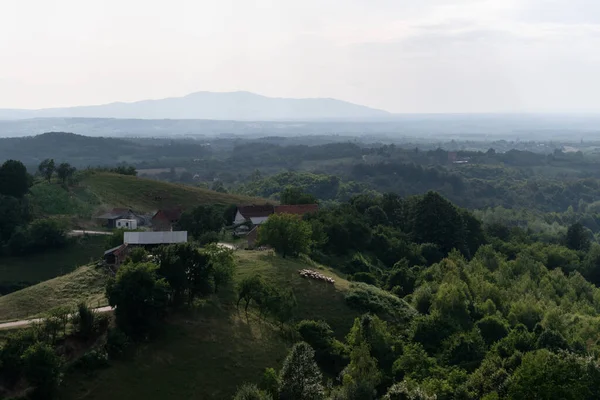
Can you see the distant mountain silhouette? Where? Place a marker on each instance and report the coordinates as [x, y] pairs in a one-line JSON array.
[[242, 106]]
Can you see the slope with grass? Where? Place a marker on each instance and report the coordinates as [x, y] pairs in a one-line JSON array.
[[210, 351], [85, 284], [113, 190]]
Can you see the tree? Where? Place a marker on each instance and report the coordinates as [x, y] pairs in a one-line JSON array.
[[577, 237], [407, 390], [140, 298], [251, 392], [545, 375], [492, 329], [42, 370], [11, 361], [250, 289], [294, 195], [286, 233], [222, 262], [14, 179], [361, 376], [201, 220], [13, 213], [46, 168], [65, 172], [300, 378], [438, 221]]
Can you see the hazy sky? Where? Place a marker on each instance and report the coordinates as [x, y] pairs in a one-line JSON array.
[[399, 55]]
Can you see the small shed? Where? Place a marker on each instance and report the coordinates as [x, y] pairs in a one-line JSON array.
[[116, 255], [115, 214], [127, 223]]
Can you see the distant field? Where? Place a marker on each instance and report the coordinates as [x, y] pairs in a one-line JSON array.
[[47, 265], [156, 171], [147, 195], [209, 353], [84, 284]]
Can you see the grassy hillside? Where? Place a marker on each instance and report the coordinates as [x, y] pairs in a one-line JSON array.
[[142, 194], [208, 353], [34, 268], [84, 284]]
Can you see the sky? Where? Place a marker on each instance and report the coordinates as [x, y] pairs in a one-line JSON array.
[[404, 56]]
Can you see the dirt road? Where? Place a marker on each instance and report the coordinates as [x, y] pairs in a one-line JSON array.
[[25, 322]]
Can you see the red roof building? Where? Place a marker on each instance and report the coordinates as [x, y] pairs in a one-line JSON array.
[[164, 220]]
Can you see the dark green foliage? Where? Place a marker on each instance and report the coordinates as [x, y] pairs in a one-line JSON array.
[[208, 237], [251, 392], [365, 277], [84, 321], [492, 329], [117, 343], [361, 377], [202, 220], [577, 237], [465, 350], [438, 221], [65, 172], [42, 369], [286, 233], [545, 375], [11, 363], [91, 361], [124, 170], [270, 382], [552, 341], [300, 378], [140, 298], [14, 179], [13, 213], [137, 255], [294, 195], [373, 332], [367, 298], [47, 168]]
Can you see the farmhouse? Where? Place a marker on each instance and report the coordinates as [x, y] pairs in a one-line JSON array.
[[116, 255], [257, 214], [165, 220], [111, 217]]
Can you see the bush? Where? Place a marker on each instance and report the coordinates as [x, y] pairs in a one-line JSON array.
[[365, 277], [492, 329], [116, 343], [208, 237], [251, 392], [84, 321], [367, 298], [92, 360], [42, 370]]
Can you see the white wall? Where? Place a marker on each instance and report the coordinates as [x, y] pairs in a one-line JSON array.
[[165, 237], [127, 223]]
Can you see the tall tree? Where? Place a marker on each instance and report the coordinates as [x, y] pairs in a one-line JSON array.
[[294, 195], [46, 168], [202, 219], [42, 370], [14, 179], [65, 172], [140, 298], [577, 237], [286, 233], [300, 378]]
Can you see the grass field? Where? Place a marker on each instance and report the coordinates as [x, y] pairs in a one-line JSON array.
[[49, 264], [208, 353], [84, 284], [142, 194]]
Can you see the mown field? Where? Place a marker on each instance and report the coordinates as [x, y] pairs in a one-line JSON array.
[[35, 268], [207, 353]]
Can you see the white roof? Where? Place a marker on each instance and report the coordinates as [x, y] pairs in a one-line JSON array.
[[166, 237]]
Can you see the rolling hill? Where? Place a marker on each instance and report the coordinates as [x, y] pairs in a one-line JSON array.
[[210, 351], [243, 106], [113, 190]]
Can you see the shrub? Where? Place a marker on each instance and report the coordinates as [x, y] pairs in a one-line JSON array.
[[365, 277], [92, 360], [367, 298], [116, 343], [42, 370], [251, 392], [208, 237], [84, 321]]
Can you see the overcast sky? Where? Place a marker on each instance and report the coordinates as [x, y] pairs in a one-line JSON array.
[[399, 55]]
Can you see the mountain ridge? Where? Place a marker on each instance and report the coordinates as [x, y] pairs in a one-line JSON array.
[[240, 105]]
